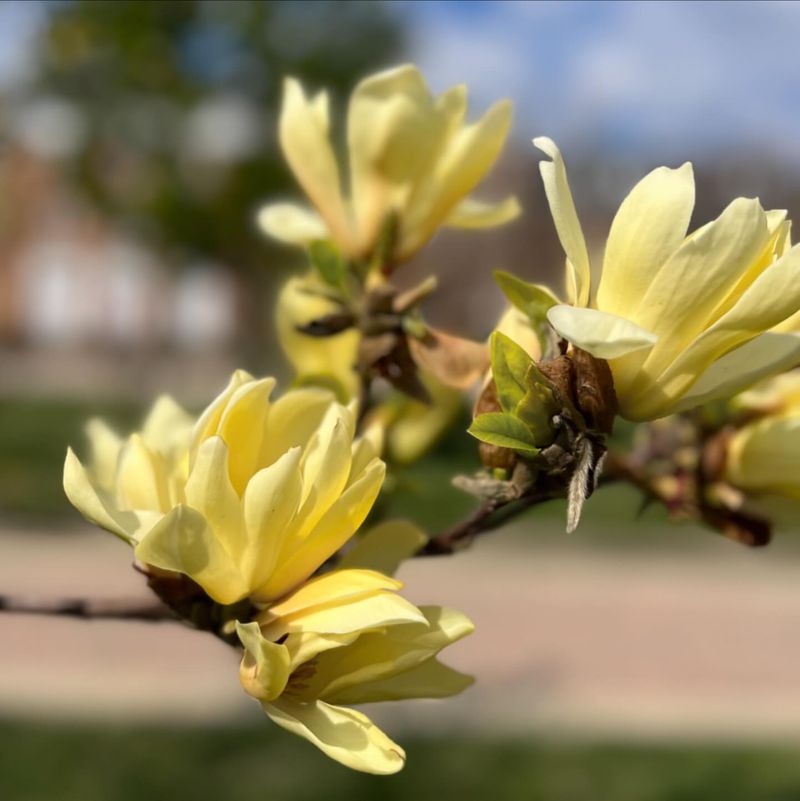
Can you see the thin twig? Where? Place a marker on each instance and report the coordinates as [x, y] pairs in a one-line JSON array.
[[490, 515], [87, 608]]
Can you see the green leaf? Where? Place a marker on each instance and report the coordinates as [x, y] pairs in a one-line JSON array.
[[534, 300], [537, 407], [504, 430], [510, 365], [328, 262]]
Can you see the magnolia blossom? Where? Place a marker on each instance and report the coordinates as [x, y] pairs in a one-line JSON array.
[[682, 319], [248, 501], [409, 154], [347, 638], [763, 456], [302, 300]]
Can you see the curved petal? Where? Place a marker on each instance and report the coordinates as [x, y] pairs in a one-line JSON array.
[[765, 457], [210, 492], [304, 138], [337, 587], [770, 299], [265, 666], [105, 446], [270, 503], [207, 424], [768, 354], [168, 426], [466, 158], [94, 504], [338, 524], [648, 228], [430, 679], [605, 336], [326, 464], [385, 546], [243, 425], [291, 223], [472, 213], [368, 611], [183, 542], [141, 477], [379, 655], [345, 735], [300, 301], [394, 130], [684, 294], [562, 208]]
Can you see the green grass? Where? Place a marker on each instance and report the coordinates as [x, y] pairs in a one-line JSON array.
[[34, 435], [49, 763]]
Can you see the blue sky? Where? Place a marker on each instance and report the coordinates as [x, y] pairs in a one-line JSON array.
[[670, 80], [673, 79]]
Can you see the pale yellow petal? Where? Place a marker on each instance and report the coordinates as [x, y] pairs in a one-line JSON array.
[[243, 427], [335, 528], [95, 504], [305, 646], [393, 132], [467, 156], [207, 424], [326, 464], [105, 447], [771, 298], [330, 589], [430, 679], [141, 477], [291, 223], [765, 457], [379, 655], [210, 492], [367, 611], [270, 503], [648, 228], [345, 735], [683, 295], [293, 419], [767, 354], [300, 301], [168, 426], [565, 218], [183, 542], [304, 138], [384, 547], [264, 670], [604, 335], [472, 213]]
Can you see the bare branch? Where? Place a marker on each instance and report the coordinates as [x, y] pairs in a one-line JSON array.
[[87, 608]]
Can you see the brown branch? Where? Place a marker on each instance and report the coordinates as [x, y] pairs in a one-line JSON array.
[[490, 515], [87, 608]]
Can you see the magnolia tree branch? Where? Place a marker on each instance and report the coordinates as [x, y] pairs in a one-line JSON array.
[[87, 608]]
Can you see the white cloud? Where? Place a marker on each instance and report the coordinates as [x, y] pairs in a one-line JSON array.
[[646, 77]]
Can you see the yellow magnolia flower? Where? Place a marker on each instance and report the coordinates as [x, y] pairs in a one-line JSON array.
[[302, 300], [411, 426], [248, 502], [682, 319], [763, 456], [347, 638], [409, 154]]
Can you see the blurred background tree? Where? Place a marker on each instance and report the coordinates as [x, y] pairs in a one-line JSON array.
[[175, 105]]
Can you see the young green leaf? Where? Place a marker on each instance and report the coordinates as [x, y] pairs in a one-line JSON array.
[[504, 430], [328, 261], [510, 365], [533, 300]]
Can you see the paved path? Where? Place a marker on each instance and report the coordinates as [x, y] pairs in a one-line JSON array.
[[569, 641]]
